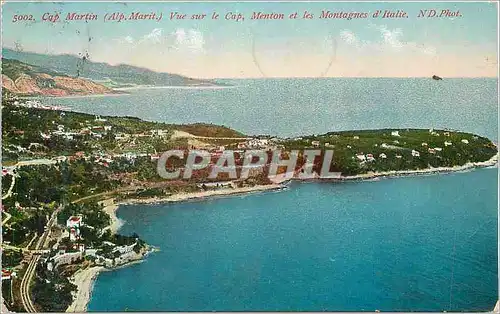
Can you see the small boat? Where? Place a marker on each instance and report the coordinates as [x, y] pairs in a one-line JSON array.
[[437, 78]]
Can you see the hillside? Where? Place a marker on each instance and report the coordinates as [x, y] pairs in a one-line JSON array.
[[113, 76], [26, 79], [23, 136]]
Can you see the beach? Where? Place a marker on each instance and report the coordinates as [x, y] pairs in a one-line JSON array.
[[84, 279], [202, 194], [110, 208]]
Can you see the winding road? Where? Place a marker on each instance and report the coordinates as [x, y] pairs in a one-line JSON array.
[[9, 192]]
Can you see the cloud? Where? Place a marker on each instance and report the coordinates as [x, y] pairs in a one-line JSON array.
[[349, 37], [390, 40], [191, 40], [181, 40], [154, 36], [128, 39], [125, 40], [392, 37]]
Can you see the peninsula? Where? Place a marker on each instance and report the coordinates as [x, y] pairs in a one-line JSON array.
[[65, 173]]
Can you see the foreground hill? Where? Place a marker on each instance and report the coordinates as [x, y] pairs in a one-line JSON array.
[[26, 79], [114, 76]]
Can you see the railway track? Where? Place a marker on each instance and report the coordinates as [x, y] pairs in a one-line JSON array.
[[33, 262]]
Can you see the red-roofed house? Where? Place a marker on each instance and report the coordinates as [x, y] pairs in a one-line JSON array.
[[6, 274], [74, 221]]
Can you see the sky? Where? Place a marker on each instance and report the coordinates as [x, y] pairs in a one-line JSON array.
[[463, 46]]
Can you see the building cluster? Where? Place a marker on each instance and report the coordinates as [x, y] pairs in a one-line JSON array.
[[364, 158], [125, 254], [96, 129], [259, 143], [38, 105], [118, 254], [120, 136]]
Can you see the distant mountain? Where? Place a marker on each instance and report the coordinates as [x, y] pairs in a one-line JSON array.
[[25, 79], [113, 76]]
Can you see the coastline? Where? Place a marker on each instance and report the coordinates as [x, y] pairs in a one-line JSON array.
[[174, 87], [110, 208], [468, 166], [114, 94], [180, 197], [84, 280]]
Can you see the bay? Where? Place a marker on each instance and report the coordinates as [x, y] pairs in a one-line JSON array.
[[292, 107]]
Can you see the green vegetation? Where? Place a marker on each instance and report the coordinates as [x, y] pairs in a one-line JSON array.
[[208, 130], [83, 159], [92, 214], [52, 291], [6, 182], [6, 289], [38, 133], [462, 148], [11, 258], [24, 223]]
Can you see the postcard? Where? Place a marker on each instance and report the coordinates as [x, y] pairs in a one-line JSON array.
[[206, 156]]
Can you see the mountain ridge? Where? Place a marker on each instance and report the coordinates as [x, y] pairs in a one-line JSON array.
[[121, 75]]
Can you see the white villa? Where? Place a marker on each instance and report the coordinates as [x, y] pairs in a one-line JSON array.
[[257, 143], [73, 224], [361, 157], [315, 143], [159, 132], [66, 258], [369, 157]]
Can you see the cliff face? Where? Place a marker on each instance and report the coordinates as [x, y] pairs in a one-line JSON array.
[[24, 79]]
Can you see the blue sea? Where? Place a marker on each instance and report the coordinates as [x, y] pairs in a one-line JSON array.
[[422, 243], [291, 107], [417, 243]]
